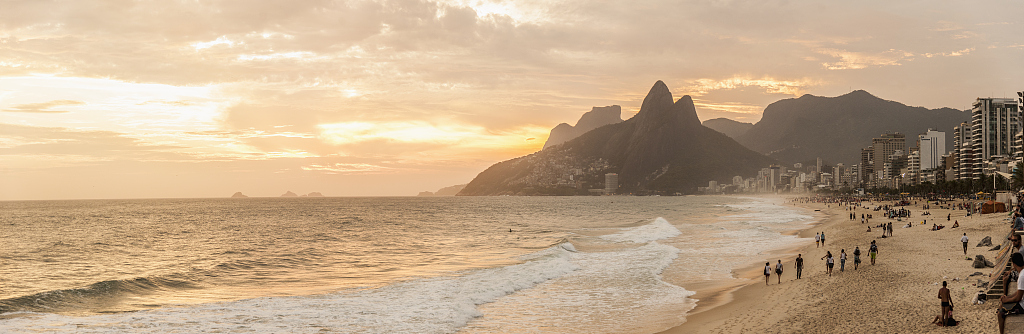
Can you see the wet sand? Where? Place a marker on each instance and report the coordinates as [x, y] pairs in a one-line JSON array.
[[899, 294]]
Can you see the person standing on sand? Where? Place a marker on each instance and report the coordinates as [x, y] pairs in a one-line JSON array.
[[842, 260], [778, 271], [817, 240], [873, 251], [964, 240], [829, 262], [799, 266], [947, 302], [1017, 306], [823, 238], [856, 257], [767, 272]]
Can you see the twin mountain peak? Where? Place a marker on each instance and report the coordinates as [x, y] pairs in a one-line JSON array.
[[665, 149], [662, 149]]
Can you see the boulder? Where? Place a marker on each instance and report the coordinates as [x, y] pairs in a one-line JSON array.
[[985, 242], [996, 247], [981, 262]]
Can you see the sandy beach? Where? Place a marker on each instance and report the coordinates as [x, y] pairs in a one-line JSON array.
[[896, 295]]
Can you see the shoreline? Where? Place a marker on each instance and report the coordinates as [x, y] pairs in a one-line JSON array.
[[907, 270]]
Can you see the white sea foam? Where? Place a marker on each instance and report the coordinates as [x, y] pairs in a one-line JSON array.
[[613, 292], [657, 230], [431, 305]]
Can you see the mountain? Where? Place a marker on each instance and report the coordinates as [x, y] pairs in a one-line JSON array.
[[289, 194], [450, 191], [664, 149], [238, 195], [728, 127], [836, 128], [593, 119]]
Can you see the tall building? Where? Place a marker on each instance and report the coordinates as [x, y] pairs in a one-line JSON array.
[[931, 145], [867, 164], [994, 124], [883, 149], [611, 183], [963, 167]]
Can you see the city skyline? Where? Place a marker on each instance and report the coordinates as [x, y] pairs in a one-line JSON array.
[[366, 98]]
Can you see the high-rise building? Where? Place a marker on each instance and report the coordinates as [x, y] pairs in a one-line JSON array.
[[994, 124], [963, 168], [611, 183], [931, 145], [867, 164], [884, 147]]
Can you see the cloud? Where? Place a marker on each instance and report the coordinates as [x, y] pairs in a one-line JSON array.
[[44, 107], [858, 60]]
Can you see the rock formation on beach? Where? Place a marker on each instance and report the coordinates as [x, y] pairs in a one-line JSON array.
[[238, 195], [836, 128], [593, 119], [663, 149]]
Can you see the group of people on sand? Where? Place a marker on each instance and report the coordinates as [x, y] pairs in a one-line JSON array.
[[829, 259]]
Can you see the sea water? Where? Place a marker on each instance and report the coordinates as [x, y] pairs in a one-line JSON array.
[[375, 265]]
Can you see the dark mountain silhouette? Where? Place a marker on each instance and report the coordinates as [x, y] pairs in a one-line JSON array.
[[662, 150], [728, 127], [836, 128], [593, 119]]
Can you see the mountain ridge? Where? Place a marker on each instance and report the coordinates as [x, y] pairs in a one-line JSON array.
[[663, 149]]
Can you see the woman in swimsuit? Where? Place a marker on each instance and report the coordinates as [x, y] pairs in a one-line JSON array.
[[767, 272]]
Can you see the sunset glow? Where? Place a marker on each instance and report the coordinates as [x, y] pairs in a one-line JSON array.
[[371, 98]]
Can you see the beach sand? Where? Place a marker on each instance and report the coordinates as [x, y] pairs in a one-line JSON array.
[[899, 294]]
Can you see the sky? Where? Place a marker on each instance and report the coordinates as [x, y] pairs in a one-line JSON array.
[[170, 99]]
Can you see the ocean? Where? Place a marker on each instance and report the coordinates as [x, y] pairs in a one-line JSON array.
[[376, 265]]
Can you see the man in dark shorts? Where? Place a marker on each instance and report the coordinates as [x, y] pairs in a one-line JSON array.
[[856, 257], [778, 271], [873, 251], [1012, 304], [799, 266], [767, 272], [947, 303]]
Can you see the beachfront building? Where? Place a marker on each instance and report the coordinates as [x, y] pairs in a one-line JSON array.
[[963, 168], [912, 174], [867, 165], [931, 147], [994, 124], [611, 183]]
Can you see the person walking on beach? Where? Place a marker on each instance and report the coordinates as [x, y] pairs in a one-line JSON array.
[[856, 257], [947, 303], [1017, 306], [829, 262], [799, 266], [964, 241], [889, 228], [778, 271], [767, 272], [842, 260], [823, 238], [873, 251], [817, 240]]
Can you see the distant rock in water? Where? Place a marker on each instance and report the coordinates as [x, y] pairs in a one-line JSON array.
[[728, 127], [314, 194], [238, 195], [289, 194], [425, 194], [593, 119], [664, 149]]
